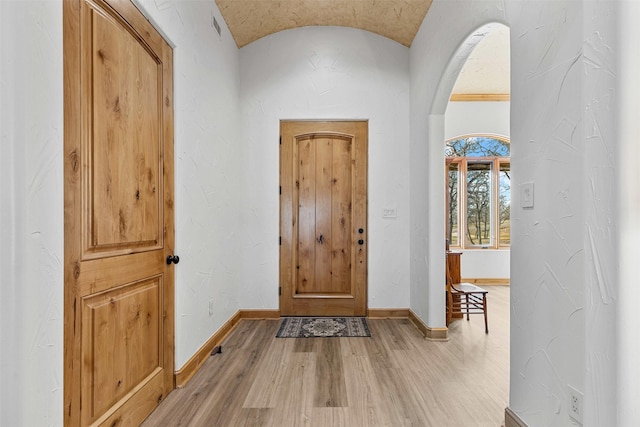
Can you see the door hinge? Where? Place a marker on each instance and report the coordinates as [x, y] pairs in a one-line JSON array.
[[281, 190], [280, 240], [280, 139], [280, 291]]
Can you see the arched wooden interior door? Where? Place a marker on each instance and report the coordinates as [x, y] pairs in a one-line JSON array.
[[323, 218]]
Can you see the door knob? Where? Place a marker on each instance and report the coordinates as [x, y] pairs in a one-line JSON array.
[[173, 259]]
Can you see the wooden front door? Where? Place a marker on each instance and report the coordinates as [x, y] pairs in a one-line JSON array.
[[323, 218], [119, 224]]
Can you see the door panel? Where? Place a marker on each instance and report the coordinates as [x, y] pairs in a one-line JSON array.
[[324, 223], [119, 225], [124, 148], [341, 218], [126, 318], [323, 205]]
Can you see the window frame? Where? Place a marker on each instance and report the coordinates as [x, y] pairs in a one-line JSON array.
[[462, 170]]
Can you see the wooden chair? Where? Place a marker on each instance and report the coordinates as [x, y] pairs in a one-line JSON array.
[[466, 298]]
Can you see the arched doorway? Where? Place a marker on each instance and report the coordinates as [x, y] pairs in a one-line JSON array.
[[477, 151], [434, 232]]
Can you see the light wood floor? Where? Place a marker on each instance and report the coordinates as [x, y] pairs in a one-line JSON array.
[[394, 378]]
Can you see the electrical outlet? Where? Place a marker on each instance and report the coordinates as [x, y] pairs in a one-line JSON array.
[[210, 307], [389, 213], [575, 404]]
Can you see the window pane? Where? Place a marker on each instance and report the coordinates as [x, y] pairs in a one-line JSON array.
[[477, 146], [453, 208], [504, 213], [479, 206]]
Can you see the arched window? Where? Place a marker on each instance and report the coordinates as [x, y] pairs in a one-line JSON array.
[[479, 192]]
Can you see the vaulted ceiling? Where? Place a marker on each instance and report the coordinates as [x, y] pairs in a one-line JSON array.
[[486, 71], [249, 20]]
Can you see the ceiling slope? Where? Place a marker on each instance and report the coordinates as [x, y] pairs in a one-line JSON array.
[[249, 20]]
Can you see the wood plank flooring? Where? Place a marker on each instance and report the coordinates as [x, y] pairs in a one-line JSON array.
[[394, 378]]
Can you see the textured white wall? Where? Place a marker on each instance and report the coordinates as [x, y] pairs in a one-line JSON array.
[[602, 231], [463, 118], [563, 250], [209, 169], [565, 326], [327, 73], [547, 249], [31, 213]]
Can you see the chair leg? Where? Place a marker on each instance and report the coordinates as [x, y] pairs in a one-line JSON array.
[[466, 297], [484, 307]]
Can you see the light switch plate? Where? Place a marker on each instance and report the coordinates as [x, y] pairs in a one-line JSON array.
[[527, 190]]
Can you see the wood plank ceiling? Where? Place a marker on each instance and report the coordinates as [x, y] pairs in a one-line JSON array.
[[249, 20]]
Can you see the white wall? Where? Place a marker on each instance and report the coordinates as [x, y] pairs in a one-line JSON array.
[[547, 249], [208, 169], [627, 58], [31, 292], [327, 73], [565, 287], [560, 110], [464, 118], [485, 264], [602, 230], [31, 213]]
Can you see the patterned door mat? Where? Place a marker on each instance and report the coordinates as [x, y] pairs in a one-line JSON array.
[[315, 327]]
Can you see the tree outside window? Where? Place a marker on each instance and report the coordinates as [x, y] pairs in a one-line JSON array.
[[479, 192]]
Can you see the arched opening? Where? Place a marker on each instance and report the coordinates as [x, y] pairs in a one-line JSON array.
[[475, 112], [436, 185], [477, 152]]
